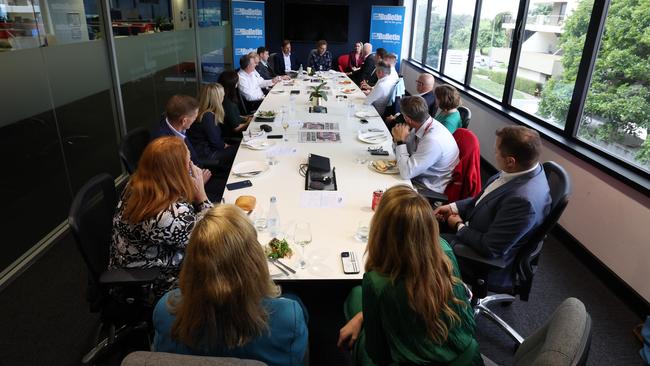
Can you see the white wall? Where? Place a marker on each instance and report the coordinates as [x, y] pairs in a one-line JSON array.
[[609, 218]]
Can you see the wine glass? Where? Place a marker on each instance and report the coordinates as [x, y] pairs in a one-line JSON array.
[[302, 237], [285, 121]]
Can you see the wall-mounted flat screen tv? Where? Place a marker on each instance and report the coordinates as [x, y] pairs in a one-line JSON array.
[[311, 22]]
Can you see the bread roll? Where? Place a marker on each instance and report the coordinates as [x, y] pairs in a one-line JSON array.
[[246, 203]]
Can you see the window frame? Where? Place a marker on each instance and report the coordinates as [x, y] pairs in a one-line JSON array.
[[567, 137]]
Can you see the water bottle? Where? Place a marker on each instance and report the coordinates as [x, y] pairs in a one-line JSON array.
[[300, 70], [273, 217]]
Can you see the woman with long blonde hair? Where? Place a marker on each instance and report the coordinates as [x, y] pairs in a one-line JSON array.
[[157, 211], [412, 306], [226, 304], [206, 133]]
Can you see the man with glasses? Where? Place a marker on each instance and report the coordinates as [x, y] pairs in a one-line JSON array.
[[424, 85]]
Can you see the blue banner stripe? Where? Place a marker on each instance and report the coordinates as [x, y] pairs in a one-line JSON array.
[[247, 28], [386, 28]]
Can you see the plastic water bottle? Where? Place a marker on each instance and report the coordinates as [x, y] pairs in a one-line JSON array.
[[273, 217], [300, 70]]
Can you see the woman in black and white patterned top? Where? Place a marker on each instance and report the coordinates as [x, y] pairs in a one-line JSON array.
[[158, 210]]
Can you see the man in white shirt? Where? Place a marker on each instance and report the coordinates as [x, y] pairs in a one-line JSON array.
[[250, 81], [427, 153], [381, 93]]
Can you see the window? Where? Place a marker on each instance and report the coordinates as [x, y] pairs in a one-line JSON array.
[[616, 116], [550, 56], [460, 32], [419, 28], [436, 32], [493, 46]]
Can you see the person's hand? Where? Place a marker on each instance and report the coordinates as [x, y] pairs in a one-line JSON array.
[[443, 212], [400, 132], [354, 68], [364, 85], [198, 180], [453, 220], [206, 175], [366, 91], [349, 334], [391, 118], [285, 77]]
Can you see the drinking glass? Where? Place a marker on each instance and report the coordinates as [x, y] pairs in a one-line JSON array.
[[302, 237], [285, 121], [350, 110], [362, 157], [363, 230], [259, 219]]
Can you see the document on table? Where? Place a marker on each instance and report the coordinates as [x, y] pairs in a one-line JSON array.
[[332, 126], [315, 199], [280, 150], [308, 136]]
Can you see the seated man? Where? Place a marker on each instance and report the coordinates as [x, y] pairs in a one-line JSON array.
[[263, 68], [514, 201], [250, 81], [367, 67], [370, 80], [180, 113], [381, 93], [321, 60], [427, 153], [425, 87], [285, 61]]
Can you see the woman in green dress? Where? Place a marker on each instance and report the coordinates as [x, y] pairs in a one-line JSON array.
[[448, 100], [412, 307]]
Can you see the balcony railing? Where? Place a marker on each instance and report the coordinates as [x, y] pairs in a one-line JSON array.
[[552, 20]]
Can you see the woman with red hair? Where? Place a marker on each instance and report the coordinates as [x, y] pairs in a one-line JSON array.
[[157, 211]]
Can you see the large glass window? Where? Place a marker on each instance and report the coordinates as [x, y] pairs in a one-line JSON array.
[[436, 32], [550, 56], [419, 29], [493, 46], [617, 109], [460, 33], [214, 38]]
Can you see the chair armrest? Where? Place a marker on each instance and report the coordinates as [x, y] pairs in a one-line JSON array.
[[433, 197], [209, 164], [129, 276], [468, 253]]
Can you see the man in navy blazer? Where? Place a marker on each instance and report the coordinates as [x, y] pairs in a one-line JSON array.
[[285, 60], [515, 201]]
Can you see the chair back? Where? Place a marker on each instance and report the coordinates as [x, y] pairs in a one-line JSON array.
[[564, 340], [271, 60], [559, 184], [343, 61], [466, 177], [91, 222], [241, 103], [465, 116], [132, 146], [143, 358]]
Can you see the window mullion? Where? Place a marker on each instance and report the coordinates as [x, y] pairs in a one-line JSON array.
[[472, 43], [425, 43], [445, 37], [515, 51]]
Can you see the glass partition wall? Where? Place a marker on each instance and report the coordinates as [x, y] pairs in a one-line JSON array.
[[72, 90]]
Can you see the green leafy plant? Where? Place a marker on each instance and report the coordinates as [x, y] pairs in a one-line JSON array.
[[318, 92]]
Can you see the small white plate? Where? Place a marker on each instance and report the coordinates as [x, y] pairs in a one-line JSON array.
[[258, 144], [372, 137], [362, 114], [391, 170], [249, 169]]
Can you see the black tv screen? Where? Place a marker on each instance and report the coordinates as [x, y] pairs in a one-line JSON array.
[[312, 22]]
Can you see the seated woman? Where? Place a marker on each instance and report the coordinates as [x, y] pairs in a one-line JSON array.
[[355, 59], [227, 304], [205, 134], [412, 308], [157, 211], [448, 100], [233, 122]]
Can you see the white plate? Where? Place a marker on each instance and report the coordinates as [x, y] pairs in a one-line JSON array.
[[362, 114], [347, 91], [259, 114], [393, 170], [372, 137], [258, 144], [242, 169]]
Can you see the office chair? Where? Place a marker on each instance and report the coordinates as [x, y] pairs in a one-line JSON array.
[[465, 116], [271, 60], [524, 265], [142, 358], [343, 61], [118, 294], [466, 176], [564, 340], [132, 146]]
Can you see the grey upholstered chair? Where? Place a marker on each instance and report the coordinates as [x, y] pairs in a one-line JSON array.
[[142, 358], [563, 341]]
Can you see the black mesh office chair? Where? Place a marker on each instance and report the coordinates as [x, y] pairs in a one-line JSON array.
[[132, 146], [465, 116], [119, 294], [524, 265]]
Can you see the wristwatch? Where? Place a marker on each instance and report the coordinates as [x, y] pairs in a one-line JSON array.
[[399, 142], [458, 224]]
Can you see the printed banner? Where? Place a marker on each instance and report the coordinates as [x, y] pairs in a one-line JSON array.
[[247, 28], [386, 28]]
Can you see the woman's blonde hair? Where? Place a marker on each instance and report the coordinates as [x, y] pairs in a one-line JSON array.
[[403, 244], [223, 279], [162, 178], [211, 100]]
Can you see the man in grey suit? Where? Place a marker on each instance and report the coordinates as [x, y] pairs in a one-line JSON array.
[[515, 201]]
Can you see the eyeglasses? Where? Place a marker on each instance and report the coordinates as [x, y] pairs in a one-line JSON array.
[[418, 82]]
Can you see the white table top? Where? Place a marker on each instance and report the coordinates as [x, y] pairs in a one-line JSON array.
[[333, 228]]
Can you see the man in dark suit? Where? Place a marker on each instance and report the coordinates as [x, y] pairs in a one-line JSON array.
[[424, 85], [367, 68], [263, 68], [515, 201], [285, 61]]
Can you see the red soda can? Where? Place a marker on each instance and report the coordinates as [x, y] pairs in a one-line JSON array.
[[376, 197]]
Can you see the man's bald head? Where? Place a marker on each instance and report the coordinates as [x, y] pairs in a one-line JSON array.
[[425, 83], [367, 49]]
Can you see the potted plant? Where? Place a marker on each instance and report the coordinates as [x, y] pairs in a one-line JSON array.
[[317, 94]]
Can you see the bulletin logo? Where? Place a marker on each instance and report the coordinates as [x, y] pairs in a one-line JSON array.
[[248, 12], [244, 51], [387, 37], [387, 17], [249, 32]]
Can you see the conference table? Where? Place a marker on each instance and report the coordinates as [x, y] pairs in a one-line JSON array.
[[334, 216]]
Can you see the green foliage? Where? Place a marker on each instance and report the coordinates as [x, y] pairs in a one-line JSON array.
[[541, 9], [522, 84], [461, 31], [491, 33], [318, 92]]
